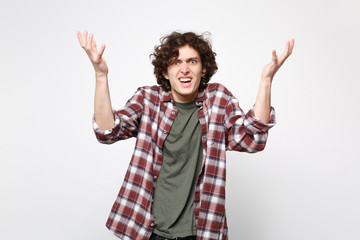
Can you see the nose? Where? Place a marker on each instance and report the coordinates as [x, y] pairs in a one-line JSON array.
[[184, 67]]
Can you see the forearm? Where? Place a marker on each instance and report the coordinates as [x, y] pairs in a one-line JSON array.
[[263, 101], [102, 105], [245, 132]]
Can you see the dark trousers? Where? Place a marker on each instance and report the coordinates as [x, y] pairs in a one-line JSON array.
[[157, 237]]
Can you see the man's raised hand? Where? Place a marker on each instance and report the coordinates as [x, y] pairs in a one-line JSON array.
[[271, 68], [95, 56]]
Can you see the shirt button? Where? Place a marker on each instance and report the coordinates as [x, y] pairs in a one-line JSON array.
[[173, 113], [152, 224], [155, 177], [164, 131]]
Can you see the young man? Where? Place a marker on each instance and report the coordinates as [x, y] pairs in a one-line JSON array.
[[174, 187]]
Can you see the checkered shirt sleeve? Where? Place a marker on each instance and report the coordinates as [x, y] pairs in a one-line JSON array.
[[244, 132], [126, 121]]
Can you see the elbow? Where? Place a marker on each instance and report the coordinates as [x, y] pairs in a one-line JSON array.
[[256, 148], [105, 141], [250, 143], [257, 143], [249, 148]]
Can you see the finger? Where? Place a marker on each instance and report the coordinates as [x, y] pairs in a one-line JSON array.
[[78, 36], [290, 45], [101, 50], [85, 33], [286, 53], [81, 39], [274, 56], [287, 49], [90, 41], [84, 38], [292, 42]]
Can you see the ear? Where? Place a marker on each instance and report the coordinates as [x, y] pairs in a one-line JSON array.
[[203, 72], [165, 75]]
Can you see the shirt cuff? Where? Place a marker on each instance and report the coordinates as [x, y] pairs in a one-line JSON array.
[[255, 125], [109, 131]]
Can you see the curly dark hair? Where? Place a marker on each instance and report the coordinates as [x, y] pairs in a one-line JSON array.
[[169, 49]]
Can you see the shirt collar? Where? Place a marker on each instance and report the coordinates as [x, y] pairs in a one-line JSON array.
[[201, 96]]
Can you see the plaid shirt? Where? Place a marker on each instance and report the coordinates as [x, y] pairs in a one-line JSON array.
[[148, 116]]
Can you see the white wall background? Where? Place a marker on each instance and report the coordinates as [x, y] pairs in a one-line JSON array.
[[58, 182]]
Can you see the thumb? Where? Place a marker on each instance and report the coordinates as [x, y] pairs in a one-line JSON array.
[[101, 50]]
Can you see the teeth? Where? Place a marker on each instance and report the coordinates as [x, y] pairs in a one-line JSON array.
[[185, 79]]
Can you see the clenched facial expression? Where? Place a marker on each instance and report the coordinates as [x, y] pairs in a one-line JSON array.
[[184, 74]]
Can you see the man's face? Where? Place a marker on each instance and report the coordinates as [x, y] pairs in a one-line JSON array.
[[184, 74]]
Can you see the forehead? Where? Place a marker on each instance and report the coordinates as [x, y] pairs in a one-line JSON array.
[[186, 52]]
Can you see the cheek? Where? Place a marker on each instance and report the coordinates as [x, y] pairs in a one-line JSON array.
[[171, 73]]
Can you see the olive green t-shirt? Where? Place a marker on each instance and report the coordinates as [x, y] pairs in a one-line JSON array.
[[173, 205]]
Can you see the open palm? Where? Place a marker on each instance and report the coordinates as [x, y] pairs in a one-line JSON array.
[[271, 68], [95, 56]]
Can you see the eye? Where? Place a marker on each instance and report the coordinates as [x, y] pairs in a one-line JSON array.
[[193, 61]]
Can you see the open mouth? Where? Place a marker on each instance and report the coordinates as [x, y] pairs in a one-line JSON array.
[[185, 80]]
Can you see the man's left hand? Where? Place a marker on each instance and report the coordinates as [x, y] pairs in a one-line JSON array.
[[271, 68]]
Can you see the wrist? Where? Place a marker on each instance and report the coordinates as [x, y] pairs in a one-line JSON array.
[[100, 70], [265, 82], [100, 76]]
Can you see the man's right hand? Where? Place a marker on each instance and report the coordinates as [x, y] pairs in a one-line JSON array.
[[102, 105], [89, 45]]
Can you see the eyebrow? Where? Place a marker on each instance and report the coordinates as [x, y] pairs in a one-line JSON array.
[[188, 59]]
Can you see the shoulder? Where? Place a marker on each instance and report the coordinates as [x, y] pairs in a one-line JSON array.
[[154, 90], [218, 95], [217, 90], [154, 93]]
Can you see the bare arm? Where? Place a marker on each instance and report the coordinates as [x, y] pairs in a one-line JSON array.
[[102, 106], [263, 99]]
